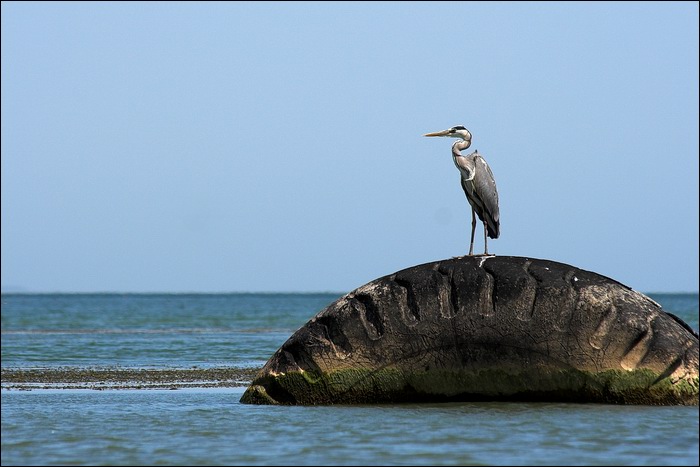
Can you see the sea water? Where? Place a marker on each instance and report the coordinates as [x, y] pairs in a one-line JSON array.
[[209, 426]]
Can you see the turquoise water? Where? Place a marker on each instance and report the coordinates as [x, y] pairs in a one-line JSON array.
[[210, 426], [151, 330]]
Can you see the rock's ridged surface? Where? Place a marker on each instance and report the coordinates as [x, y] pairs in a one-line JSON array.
[[486, 328]]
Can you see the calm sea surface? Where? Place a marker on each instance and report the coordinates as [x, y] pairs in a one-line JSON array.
[[209, 426]]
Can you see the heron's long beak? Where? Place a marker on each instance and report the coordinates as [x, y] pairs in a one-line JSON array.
[[438, 133]]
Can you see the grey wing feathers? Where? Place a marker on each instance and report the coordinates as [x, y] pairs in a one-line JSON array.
[[485, 190]]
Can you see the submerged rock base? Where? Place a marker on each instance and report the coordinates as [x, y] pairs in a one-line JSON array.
[[392, 386], [486, 328]]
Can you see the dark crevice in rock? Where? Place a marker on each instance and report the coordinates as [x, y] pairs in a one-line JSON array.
[[637, 340], [675, 364], [371, 313], [411, 302], [491, 283], [333, 332]]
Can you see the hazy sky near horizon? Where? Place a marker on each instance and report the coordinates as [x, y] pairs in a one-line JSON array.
[[261, 146]]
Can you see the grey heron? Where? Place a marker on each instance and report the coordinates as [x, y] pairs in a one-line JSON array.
[[478, 184]]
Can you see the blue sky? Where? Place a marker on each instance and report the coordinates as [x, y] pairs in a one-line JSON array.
[[216, 147]]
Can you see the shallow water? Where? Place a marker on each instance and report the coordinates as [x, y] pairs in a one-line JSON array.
[[194, 427], [151, 330], [210, 426]]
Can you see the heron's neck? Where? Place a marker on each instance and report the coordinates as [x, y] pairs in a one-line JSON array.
[[460, 145]]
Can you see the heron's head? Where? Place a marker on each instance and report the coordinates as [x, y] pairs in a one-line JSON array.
[[455, 132]]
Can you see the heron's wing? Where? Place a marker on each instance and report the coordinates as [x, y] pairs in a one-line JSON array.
[[485, 189], [468, 188]]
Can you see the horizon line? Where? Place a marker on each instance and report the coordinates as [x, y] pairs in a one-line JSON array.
[[261, 292]]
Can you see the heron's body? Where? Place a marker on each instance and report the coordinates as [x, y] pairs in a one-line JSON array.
[[478, 183]]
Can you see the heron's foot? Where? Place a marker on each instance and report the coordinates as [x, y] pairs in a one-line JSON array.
[[484, 254]]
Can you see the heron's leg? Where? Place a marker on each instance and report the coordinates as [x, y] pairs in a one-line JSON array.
[[471, 245], [486, 246]]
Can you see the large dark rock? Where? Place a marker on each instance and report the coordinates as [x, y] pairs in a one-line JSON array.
[[486, 328]]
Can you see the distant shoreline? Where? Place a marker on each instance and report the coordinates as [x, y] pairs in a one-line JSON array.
[[102, 378]]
